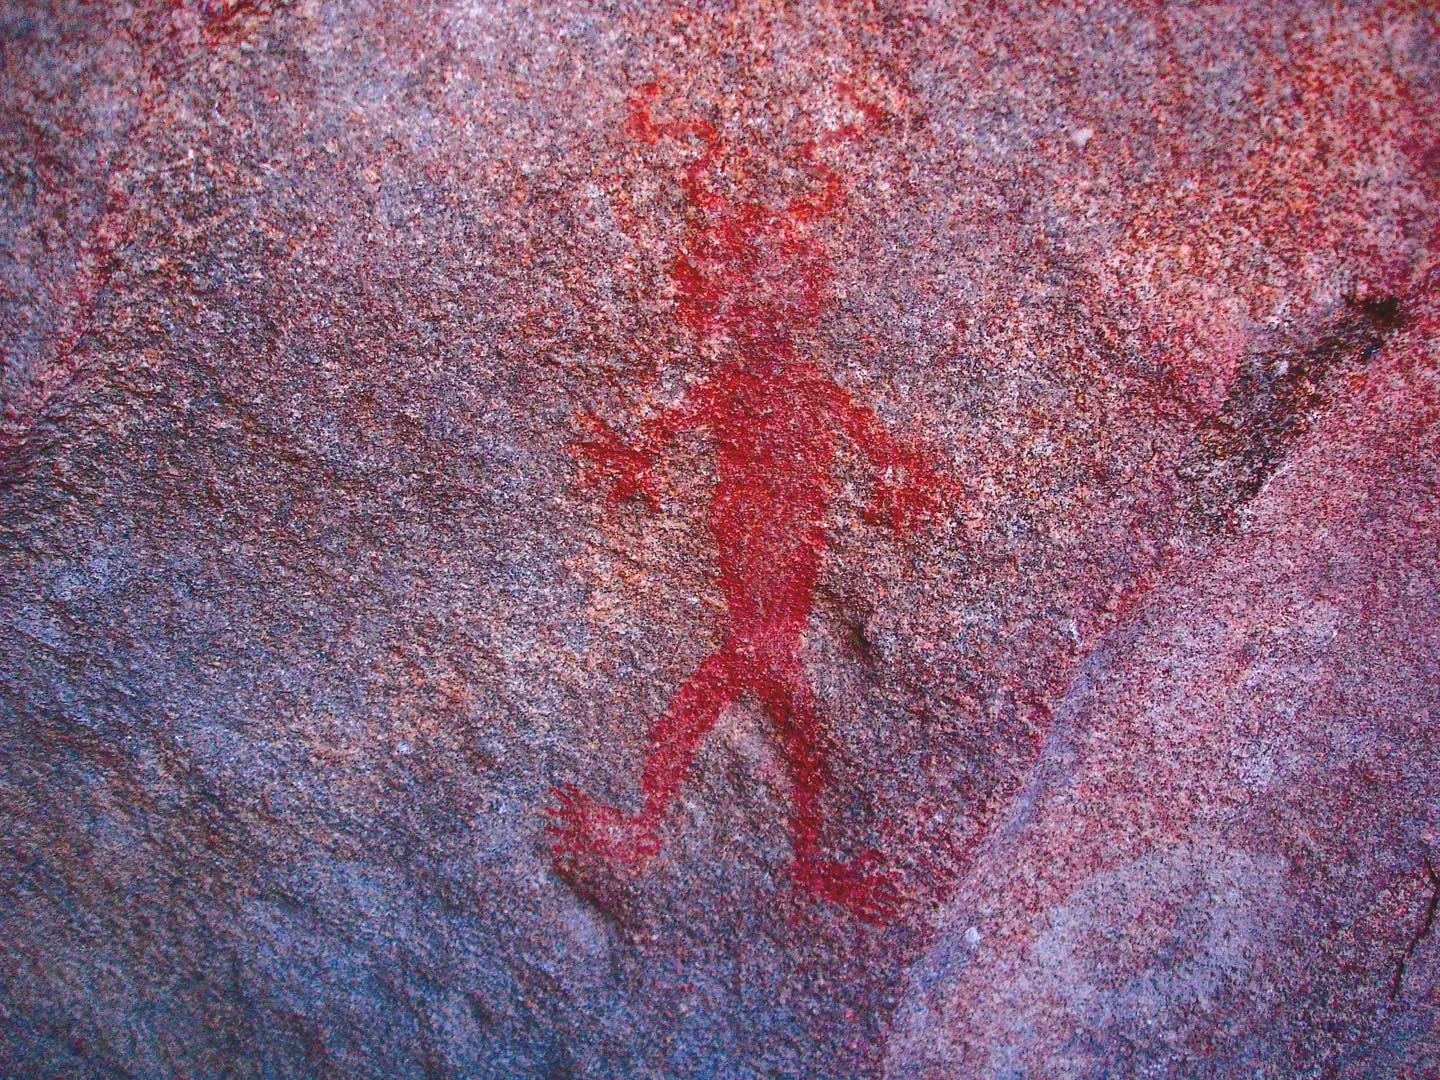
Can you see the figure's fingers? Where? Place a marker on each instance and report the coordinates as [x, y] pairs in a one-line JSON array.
[[563, 828], [879, 902], [880, 911], [563, 815], [564, 839], [563, 836], [877, 897], [566, 824], [568, 805]]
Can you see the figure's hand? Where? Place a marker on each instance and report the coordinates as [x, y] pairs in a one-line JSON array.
[[604, 457], [911, 492]]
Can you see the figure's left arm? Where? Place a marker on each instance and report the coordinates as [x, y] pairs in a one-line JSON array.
[[911, 487]]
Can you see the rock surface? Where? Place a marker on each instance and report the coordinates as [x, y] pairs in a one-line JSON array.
[[1081, 721], [1223, 863]]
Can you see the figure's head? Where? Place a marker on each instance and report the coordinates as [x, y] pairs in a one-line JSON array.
[[748, 271], [751, 274]]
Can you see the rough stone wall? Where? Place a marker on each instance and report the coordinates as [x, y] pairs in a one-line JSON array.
[[311, 600]]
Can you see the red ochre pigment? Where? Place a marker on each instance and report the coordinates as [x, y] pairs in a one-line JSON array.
[[749, 277]]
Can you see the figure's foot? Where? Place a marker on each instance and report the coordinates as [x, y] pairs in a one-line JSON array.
[[860, 886], [584, 830]]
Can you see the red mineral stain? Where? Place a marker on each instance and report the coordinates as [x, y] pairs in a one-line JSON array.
[[750, 276], [168, 38]]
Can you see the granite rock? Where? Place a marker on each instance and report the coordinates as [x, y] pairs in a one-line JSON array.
[[1224, 861], [1021, 417]]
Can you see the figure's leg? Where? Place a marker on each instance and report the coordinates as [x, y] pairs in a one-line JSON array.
[[676, 736], [790, 706], [860, 885], [583, 828]]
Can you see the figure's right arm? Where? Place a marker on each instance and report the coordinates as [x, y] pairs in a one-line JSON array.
[[910, 486], [607, 457]]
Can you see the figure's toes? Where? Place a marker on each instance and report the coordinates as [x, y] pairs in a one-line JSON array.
[[565, 800], [873, 899], [568, 819], [580, 826], [878, 901], [563, 833], [860, 886]]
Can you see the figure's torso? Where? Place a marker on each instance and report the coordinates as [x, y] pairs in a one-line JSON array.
[[775, 437]]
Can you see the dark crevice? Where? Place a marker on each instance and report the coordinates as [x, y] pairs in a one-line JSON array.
[[861, 648], [1273, 399], [1427, 924]]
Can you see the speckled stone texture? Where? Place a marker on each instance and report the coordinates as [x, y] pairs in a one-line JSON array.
[[1083, 721], [1222, 864]]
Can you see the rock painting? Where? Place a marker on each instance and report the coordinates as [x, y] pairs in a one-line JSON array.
[[750, 276]]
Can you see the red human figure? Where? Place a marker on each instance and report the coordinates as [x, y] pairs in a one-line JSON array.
[[775, 422]]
